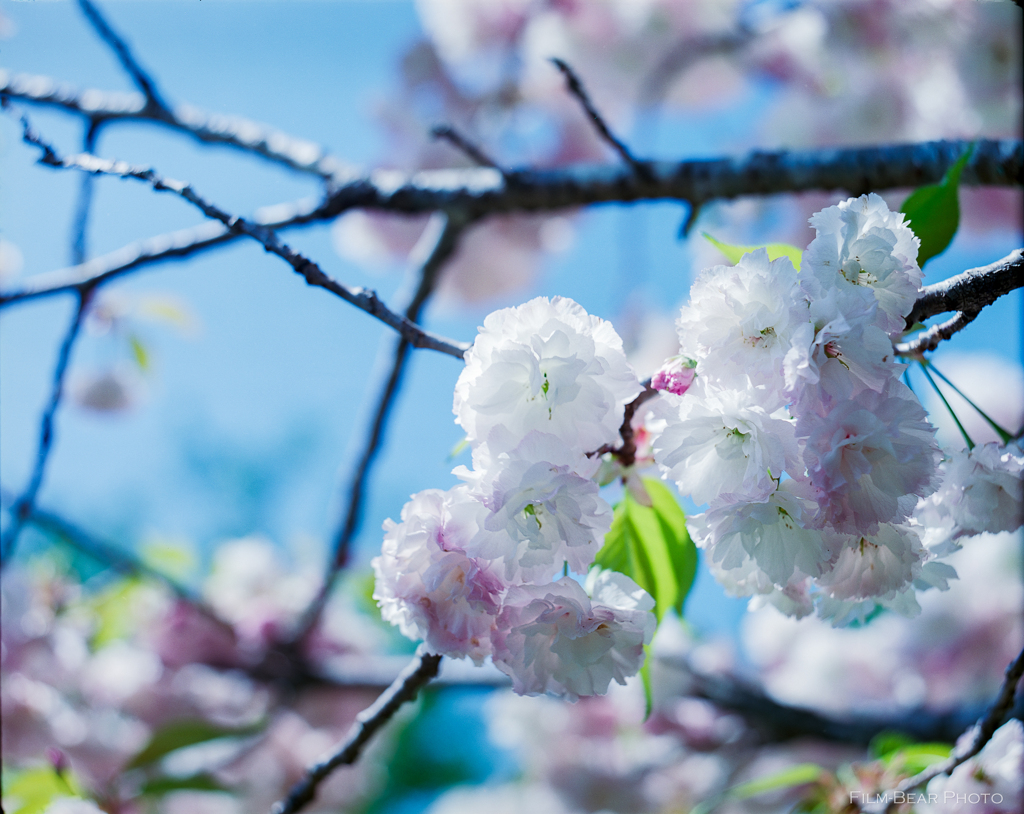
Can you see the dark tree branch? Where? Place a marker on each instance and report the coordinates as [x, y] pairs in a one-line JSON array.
[[983, 730], [24, 505], [447, 244], [80, 228], [210, 128], [482, 192], [576, 88], [405, 688], [777, 722], [967, 294], [161, 248], [626, 452], [446, 132], [972, 290], [930, 339], [155, 105], [364, 299]]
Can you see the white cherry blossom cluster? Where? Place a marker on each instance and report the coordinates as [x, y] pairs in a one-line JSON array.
[[797, 431], [472, 571]]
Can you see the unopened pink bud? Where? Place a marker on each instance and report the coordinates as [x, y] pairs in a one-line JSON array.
[[676, 376]]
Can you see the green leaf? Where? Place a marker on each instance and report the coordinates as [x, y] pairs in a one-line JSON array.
[[933, 211], [787, 778], [735, 253], [181, 733], [199, 782], [32, 790], [139, 353], [645, 677], [652, 547]]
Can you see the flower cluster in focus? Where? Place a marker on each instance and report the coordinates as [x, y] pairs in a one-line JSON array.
[[472, 571]]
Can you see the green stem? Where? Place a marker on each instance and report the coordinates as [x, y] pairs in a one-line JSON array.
[[931, 381], [1003, 434]]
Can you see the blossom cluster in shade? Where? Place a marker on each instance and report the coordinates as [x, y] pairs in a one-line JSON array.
[[810, 452], [472, 570]]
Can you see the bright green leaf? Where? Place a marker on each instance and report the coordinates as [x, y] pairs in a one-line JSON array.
[[139, 353], [198, 782], [787, 778], [651, 546], [32, 790], [775, 250], [179, 734], [458, 448], [645, 677], [114, 611], [933, 211]]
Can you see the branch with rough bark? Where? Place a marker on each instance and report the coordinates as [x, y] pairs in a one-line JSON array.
[[405, 688], [483, 191], [364, 299], [966, 294]]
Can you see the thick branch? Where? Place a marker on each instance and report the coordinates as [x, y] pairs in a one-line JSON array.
[[210, 128], [972, 290], [777, 722], [24, 506], [405, 688], [364, 299], [967, 294], [482, 191]]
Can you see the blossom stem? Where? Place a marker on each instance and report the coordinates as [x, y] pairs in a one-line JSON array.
[[931, 381], [1003, 434]]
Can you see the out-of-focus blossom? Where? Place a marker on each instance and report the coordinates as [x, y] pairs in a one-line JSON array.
[[992, 782]]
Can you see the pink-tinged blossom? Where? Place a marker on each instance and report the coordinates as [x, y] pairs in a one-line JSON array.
[[556, 639], [541, 512], [675, 376], [839, 363], [981, 491], [426, 583], [723, 445], [778, 533], [871, 457], [546, 365], [992, 782], [747, 579], [868, 254], [742, 320], [870, 565]]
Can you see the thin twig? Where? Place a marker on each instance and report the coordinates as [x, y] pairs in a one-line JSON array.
[[446, 245], [143, 81], [24, 505], [363, 298], [446, 132], [210, 128], [576, 88], [154, 250], [930, 339], [626, 452], [80, 228], [405, 688]]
